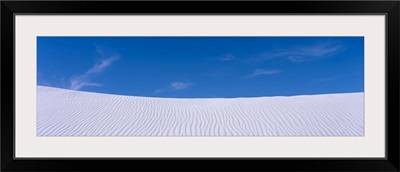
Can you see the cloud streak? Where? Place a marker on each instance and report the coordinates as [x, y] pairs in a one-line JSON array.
[[83, 80], [102, 65], [305, 53], [259, 72], [175, 86], [226, 57]]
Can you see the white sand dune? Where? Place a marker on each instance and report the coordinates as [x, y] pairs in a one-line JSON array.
[[63, 112]]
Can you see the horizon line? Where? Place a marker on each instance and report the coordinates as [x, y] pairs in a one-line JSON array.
[[300, 95]]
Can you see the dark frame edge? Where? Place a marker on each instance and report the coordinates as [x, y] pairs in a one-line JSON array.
[[392, 159], [392, 50], [6, 51]]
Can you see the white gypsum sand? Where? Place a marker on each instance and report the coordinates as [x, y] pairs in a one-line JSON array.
[[63, 112]]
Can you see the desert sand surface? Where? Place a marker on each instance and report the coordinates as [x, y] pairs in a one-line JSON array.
[[62, 112]]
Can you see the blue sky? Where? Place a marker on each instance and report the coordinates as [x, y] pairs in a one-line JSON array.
[[202, 67]]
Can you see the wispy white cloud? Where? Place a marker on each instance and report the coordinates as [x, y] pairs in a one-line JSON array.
[[258, 72], [79, 81], [305, 53], [175, 86], [226, 57], [180, 85], [104, 63], [77, 84]]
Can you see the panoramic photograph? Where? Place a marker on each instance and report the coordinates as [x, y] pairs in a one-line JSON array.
[[162, 86]]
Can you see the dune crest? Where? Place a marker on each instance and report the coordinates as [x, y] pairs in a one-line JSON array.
[[73, 113]]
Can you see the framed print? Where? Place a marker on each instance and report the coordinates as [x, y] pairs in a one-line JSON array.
[[123, 86]]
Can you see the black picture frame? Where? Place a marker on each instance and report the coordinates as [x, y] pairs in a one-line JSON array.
[[389, 8]]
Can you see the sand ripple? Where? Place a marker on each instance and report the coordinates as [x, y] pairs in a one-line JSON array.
[[63, 112]]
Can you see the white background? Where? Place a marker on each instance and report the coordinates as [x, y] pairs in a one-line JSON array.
[[28, 27]]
